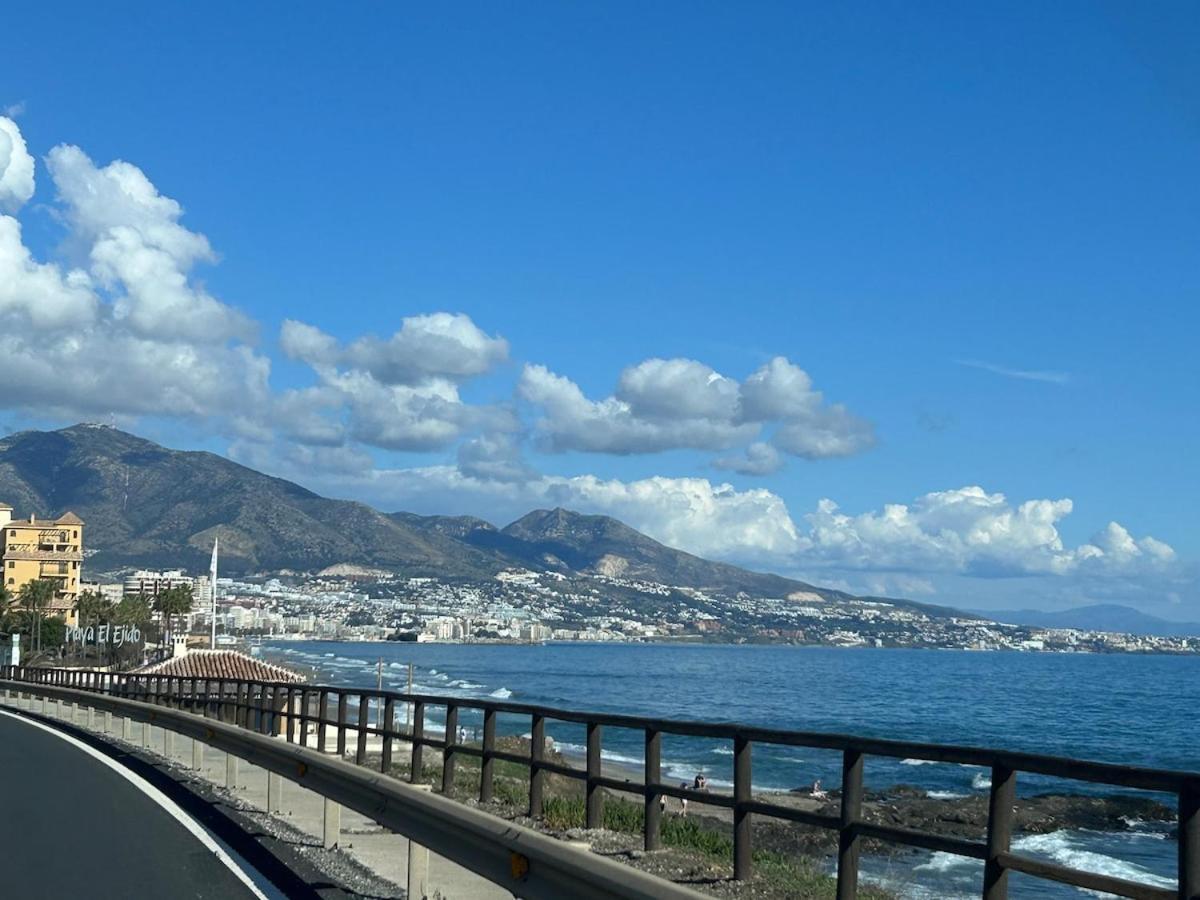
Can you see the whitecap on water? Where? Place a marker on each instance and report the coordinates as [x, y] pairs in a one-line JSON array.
[[501, 693], [1063, 848]]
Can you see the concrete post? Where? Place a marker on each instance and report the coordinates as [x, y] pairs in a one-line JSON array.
[[125, 728], [45, 705], [146, 735], [91, 718], [274, 791], [58, 710], [197, 755], [231, 771], [331, 825], [107, 722], [168, 743], [418, 865]]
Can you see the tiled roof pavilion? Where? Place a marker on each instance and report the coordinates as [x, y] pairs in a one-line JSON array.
[[228, 664]]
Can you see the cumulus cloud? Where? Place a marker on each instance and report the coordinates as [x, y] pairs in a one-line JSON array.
[[663, 404], [93, 339], [572, 422], [16, 167], [39, 296], [398, 394], [440, 345], [970, 531], [135, 248]]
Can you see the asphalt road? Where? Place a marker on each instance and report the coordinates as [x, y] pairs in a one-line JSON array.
[[71, 827]]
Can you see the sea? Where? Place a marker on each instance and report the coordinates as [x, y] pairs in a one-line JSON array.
[[1131, 709]]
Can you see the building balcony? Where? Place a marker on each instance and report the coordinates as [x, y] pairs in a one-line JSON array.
[[33, 551]]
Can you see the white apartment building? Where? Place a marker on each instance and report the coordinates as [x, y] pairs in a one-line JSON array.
[[152, 583]]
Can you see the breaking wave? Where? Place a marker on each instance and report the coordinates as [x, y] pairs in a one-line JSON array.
[[1061, 847]]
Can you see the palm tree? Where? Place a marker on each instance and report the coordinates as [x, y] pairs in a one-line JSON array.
[[132, 610], [93, 608], [175, 601], [6, 605], [34, 597]]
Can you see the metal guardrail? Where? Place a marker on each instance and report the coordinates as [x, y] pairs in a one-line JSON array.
[[295, 710], [520, 860]]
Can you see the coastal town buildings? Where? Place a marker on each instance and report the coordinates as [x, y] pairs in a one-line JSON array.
[[44, 550]]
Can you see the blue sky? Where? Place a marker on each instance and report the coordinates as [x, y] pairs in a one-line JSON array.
[[974, 230]]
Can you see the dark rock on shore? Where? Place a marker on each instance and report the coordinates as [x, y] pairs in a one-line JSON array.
[[965, 817]]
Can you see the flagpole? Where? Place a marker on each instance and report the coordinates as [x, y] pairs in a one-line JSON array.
[[212, 577]]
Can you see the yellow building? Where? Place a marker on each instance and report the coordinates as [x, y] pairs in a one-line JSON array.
[[49, 549]]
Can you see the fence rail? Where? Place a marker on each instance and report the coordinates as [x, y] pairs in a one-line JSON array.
[[299, 712]]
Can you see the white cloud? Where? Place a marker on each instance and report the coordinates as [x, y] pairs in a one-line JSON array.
[[440, 345], [16, 167], [758, 459], [400, 394], [93, 340], [663, 404], [969, 531], [40, 296], [136, 250], [572, 422], [1046, 375]]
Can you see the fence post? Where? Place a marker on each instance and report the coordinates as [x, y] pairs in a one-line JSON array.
[[448, 754], [331, 824], [274, 789], [247, 693], [848, 844], [418, 867], [322, 715], [742, 834], [999, 833], [595, 799], [653, 800], [341, 725], [291, 715], [1189, 841], [389, 722], [487, 765], [364, 709], [416, 770], [305, 700], [537, 777]]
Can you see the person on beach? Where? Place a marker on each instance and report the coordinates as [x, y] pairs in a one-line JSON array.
[[683, 800], [817, 793], [700, 783]]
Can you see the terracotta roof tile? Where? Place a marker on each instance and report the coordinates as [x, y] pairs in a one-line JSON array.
[[220, 664]]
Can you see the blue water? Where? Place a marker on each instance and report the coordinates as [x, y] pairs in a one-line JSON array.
[[1123, 709]]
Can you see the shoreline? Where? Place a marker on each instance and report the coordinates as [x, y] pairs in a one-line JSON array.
[[705, 641]]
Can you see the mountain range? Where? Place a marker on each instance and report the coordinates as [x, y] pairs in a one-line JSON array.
[[146, 506]]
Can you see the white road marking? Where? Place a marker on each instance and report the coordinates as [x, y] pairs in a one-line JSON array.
[[260, 887]]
